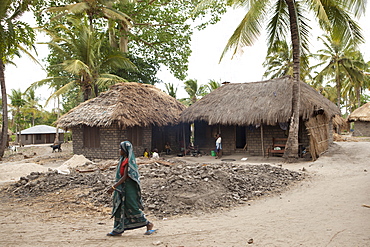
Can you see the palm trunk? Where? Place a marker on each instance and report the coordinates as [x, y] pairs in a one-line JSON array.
[[123, 41], [112, 36], [4, 128], [291, 152], [338, 85], [56, 140], [358, 96]]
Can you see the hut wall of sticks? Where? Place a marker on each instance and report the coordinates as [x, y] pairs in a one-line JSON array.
[[137, 112], [252, 113], [361, 119]]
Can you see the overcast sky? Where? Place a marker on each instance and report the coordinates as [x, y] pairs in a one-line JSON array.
[[207, 46]]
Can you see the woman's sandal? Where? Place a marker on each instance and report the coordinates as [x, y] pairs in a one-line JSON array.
[[149, 232], [113, 233]]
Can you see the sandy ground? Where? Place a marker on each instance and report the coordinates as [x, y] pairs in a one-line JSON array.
[[329, 209]]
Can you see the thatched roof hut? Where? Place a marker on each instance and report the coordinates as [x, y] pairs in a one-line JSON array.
[[137, 112], [266, 105], [361, 117], [360, 114], [340, 124], [265, 102], [127, 104]]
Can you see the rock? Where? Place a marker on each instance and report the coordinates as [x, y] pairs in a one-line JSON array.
[[168, 190]]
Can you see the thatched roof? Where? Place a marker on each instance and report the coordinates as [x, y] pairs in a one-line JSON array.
[[360, 114], [340, 122], [128, 104], [264, 102]]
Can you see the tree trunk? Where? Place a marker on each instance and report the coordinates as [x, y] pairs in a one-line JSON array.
[[291, 152], [86, 91], [338, 85], [56, 140], [112, 35], [358, 96], [123, 40], [4, 128]]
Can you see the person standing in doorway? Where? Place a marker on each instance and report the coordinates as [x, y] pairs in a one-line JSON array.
[[218, 146]]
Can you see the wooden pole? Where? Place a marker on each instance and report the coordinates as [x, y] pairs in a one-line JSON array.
[[262, 144], [183, 128]]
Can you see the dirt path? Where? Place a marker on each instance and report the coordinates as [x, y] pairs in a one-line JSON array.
[[326, 210]]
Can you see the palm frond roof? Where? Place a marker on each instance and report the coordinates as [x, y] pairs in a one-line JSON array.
[[360, 114], [128, 104], [264, 102]]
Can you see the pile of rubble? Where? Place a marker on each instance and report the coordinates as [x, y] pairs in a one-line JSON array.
[[169, 188]]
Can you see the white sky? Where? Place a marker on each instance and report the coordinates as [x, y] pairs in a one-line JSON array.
[[207, 46]]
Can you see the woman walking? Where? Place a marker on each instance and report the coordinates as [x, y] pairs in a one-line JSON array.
[[127, 203]]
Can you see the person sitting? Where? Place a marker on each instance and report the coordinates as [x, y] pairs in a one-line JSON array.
[[146, 153], [191, 150], [167, 148], [155, 154]]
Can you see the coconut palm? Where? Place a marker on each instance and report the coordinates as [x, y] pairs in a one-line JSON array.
[[279, 62], [212, 85], [86, 60], [99, 9], [171, 90], [32, 107], [194, 90], [288, 17], [355, 84], [17, 102], [343, 63], [15, 36]]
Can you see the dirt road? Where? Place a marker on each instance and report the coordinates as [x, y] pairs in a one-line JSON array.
[[329, 209]]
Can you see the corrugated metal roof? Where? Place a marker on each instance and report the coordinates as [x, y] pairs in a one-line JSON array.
[[41, 129]]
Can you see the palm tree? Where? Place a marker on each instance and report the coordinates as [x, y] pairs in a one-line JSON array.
[[279, 62], [85, 61], [13, 34], [32, 107], [343, 63], [194, 90], [356, 83], [17, 102], [100, 9], [288, 17], [171, 90], [212, 85]]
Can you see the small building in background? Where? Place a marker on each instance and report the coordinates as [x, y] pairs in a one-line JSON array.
[[361, 119], [39, 134]]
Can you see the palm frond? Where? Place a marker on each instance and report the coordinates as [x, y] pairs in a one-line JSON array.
[[73, 8], [109, 79], [64, 89], [249, 28], [278, 26], [118, 15], [76, 67]]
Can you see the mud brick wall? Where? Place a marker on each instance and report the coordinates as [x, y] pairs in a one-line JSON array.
[[110, 138], [228, 140], [254, 142], [362, 128]]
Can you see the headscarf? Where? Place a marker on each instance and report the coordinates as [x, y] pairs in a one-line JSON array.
[[133, 171]]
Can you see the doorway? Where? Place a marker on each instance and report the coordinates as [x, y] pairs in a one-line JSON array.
[[240, 136]]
